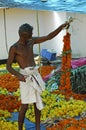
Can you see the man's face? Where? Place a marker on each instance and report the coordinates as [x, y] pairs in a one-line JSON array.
[[27, 35]]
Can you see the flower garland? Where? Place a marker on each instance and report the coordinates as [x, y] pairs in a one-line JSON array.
[[66, 64]]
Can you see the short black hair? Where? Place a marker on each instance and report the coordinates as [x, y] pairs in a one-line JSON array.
[[25, 28]]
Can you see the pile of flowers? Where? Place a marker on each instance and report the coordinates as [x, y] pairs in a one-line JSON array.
[[12, 83], [9, 125], [61, 106], [69, 124], [56, 106], [9, 102], [46, 70]]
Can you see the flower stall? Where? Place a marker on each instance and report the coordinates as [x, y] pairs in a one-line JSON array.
[[65, 94]]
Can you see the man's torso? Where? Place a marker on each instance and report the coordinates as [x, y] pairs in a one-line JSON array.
[[24, 55]]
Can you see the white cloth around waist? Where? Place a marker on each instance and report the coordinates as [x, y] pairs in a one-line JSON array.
[[31, 89]]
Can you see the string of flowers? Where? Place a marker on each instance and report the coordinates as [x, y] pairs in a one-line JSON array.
[[65, 83]]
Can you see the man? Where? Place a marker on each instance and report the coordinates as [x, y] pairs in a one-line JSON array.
[[22, 52]]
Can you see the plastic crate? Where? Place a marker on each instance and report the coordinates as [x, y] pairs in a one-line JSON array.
[[48, 55], [43, 53]]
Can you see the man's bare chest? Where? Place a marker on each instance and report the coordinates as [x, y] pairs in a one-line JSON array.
[[24, 51]]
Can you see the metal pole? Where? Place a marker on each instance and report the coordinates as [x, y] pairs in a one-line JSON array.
[[4, 12], [37, 18]]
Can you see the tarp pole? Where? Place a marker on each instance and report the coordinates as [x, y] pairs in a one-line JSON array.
[[39, 48], [4, 12]]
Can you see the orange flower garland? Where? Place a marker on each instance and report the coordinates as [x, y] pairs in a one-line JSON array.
[[66, 64], [65, 83]]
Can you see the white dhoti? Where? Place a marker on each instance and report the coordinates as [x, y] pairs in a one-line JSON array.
[[31, 89]]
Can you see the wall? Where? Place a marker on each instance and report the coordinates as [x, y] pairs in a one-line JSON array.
[[78, 34], [3, 49], [48, 21]]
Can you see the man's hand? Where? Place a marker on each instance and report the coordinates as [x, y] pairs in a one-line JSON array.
[[21, 77], [66, 25]]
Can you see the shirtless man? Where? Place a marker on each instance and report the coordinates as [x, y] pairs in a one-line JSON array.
[[22, 52]]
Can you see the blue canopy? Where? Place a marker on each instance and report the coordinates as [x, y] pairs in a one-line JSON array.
[[78, 6]]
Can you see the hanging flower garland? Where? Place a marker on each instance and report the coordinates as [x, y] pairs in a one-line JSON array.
[[66, 64]]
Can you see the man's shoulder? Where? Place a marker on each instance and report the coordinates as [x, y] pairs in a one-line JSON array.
[[14, 46], [34, 39]]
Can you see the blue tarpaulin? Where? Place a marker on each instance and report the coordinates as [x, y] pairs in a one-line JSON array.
[[52, 5], [28, 124]]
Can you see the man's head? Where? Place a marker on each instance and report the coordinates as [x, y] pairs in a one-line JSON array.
[[25, 29]]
